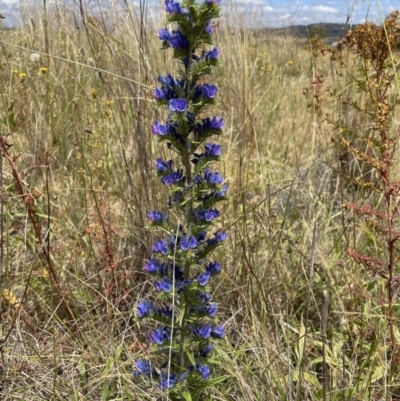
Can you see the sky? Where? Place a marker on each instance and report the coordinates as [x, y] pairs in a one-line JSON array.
[[260, 13]]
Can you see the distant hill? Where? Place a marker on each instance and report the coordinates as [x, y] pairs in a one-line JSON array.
[[333, 30]]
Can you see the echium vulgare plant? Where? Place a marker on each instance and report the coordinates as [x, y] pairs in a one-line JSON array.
[[183, 314]]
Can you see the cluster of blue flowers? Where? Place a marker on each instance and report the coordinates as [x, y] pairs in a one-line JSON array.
[[184, 316]]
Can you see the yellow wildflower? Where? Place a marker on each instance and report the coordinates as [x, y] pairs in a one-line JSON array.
[[10, 297], [42, 70], [290, 62], [22, 75]]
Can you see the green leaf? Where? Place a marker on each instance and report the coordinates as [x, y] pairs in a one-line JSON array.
[[218, 379], [191, 357], [186, 395]]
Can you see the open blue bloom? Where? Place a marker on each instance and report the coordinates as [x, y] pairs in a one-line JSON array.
[[164, 285], [214, 123], [204, 278], [144, 367], [172, 178], [160, 247], [218, 332], [144, 308], [168, 382], [212, 55], [204, 370], [212, 150], [178, 41], [207, 215], [157, 217], [209, 28], [188, 243], [159, 335], [213, 268], [172, 7], [159, 94], [158, 129], [202, 331], [164, 34], [209, 91], [213, 177], [152, 266], [219, 237], [178, 105], [167, 80], [163, 166]]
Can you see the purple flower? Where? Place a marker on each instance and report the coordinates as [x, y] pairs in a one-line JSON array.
[[213, 268], [212, 150], [159, 94], [209, 91], [213, 177], [167, 80], [157, 217], [203, 279], [172, 178], [212, 55], [222, 192], [152, 266], [188, 243], [178, 105], [160, 247], [207, 215], [163, 166], [215, 123], [164, 285], [178, 41], [209, 28], [218, 332], [218, 238], [212, 309], [164, 34], [144, 308], [159, 335], [172, 7], [168, 382], [212, 1], [143, 367], [203, 331], [204, 370], [158, 129]]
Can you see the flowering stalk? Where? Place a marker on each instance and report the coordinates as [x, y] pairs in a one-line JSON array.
[[184, 314]]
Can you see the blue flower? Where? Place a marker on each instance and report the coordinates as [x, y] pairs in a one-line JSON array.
[[163, 166], [212, 1], [215, 123], [152, 266], [203, 279], [188, 243], [144, 367], [212, 55], [178, 41], [164, 34], [167, 80], [157, 217], [212, 150], [203, 331], [172, 178], [159, 94], [164, 285], [159, 335], [218, 332], [213, 177], [158, 129], [219, 237], [172, 7], [209, 91], [178, 105], [144, 308], [204, 370], [168, 382], [209, 28], [160, 247], [207, 215], [213, 268], [212, 309]]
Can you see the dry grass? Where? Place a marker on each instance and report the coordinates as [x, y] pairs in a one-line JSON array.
[[78, 121]]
